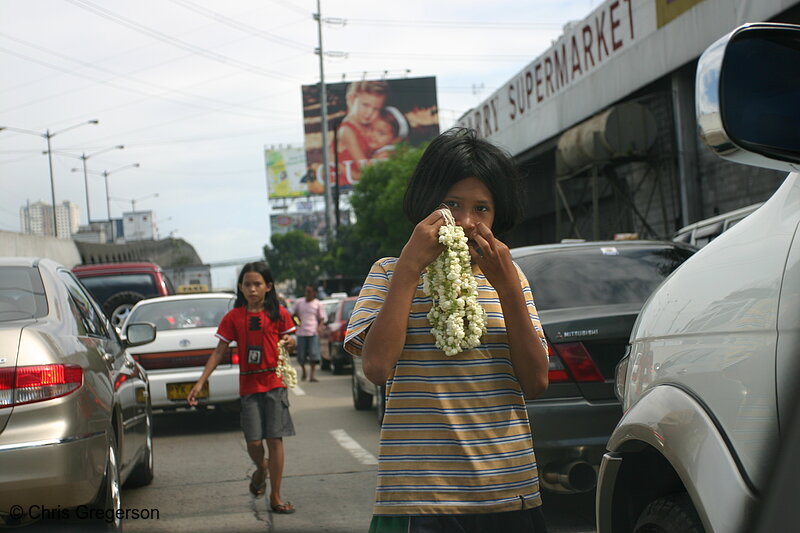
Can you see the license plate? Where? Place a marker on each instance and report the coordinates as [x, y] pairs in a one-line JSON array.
[[180, 391]]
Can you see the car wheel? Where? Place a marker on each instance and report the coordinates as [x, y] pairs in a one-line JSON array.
[[670, 514], [108, 501], [144, 472], [361, 400], [380, 402], [118, 307]]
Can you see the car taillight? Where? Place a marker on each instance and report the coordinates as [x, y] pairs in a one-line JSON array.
[[28, 384], [556, 371], [231, 358], [572, 359], [338, 334]]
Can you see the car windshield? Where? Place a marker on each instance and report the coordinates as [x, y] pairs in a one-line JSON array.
[[21, 293], [583, 277], [104, 287], [182, 314]]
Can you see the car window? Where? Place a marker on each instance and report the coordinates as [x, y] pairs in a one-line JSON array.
[[104, 287], [93, 322], [583, 277], [182, 314], [21, 293], [347, 309]]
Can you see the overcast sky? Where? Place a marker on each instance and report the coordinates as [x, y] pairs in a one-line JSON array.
[[195, 89]]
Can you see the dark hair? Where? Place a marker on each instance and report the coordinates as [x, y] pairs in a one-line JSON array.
[[458, 154], [271, 304]]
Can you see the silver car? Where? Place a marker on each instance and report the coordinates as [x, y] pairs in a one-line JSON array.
[[75, 417], [710, 381], [186, 326]]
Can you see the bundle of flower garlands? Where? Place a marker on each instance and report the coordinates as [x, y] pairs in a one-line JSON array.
[[457, 319], [284, 369]]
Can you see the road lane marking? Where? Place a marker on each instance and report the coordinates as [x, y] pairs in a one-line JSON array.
[[355, 449]]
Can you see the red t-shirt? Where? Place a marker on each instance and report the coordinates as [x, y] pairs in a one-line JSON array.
[[256, 329]]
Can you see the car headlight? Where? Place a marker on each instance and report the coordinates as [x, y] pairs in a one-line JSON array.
[[620, 374]]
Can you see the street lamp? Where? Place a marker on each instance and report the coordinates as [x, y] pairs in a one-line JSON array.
[[83, 157], [48, 135], [106, 174]]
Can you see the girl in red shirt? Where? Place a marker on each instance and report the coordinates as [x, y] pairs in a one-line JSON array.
[[257, 322]]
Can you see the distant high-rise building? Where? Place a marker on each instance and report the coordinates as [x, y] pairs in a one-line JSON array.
[[37, 219]]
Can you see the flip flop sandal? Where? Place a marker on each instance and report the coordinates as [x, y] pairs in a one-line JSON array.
[[257, 490], [284, 508]]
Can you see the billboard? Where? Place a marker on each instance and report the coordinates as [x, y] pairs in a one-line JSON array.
[[312, 223], [366, 120], [287, 175]]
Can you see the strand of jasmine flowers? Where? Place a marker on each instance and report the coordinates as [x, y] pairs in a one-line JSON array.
[[457, 319]]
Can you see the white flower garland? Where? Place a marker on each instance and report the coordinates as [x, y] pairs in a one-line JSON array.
[[457, 319], [284, 369]]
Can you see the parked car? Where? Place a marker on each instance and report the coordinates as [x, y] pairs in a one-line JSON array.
[[587, 295], [329, 305], [710, 380], [704, 231], [118, 286], [186, 326], [75, 414], [340, 360]]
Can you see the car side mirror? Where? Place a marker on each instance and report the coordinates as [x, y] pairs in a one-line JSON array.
[[139, 333], [747, 90]]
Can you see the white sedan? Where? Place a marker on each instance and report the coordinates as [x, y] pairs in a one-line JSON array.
[[185, 326]]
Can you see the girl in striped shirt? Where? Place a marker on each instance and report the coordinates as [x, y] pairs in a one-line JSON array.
[[456, 450]]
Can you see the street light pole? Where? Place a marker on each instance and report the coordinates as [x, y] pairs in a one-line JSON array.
[[83, 157], [324, 125], [105, 175], [48, 135]]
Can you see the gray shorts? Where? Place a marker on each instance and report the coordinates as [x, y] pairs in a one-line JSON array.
[[307, 349], [265, 415]]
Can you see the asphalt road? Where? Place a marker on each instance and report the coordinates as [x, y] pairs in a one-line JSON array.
[[202, 472]]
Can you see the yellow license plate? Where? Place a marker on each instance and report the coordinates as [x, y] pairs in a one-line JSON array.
[[180, 391]]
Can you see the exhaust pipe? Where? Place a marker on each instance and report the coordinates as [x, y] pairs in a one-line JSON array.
[[575, 476]]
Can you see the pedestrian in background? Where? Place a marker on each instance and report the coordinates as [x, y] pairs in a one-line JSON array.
[[456, 452], [311, 314], [257, 322]]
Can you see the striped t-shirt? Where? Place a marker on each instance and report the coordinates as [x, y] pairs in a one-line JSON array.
[[455, 437]]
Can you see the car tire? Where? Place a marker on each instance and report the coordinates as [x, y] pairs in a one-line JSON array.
[[670, 514], [144, 471], [119, 306], [325, 364], [380, 402], [109, 498], [361, 400]]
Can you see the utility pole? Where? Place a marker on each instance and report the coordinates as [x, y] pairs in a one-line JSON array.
[[329, 223]]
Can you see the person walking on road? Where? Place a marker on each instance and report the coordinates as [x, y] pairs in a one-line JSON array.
[[456, 452], [257, 322], [311, 314]]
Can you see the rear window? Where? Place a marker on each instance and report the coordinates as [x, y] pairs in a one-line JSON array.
[[182, 314], [21, 294], [104, 287], [584, 277], [347, 309]]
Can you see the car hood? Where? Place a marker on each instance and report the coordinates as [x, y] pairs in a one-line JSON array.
[[584, 323], [9, 350]]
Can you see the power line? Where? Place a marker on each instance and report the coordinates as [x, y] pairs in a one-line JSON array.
[[109, 82], [241, 26], [455, 24], [178, 43]]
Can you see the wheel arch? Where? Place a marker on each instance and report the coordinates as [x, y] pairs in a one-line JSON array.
[[667, 443]]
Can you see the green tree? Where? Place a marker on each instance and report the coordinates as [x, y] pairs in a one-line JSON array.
[[294, 256], [381, 228]]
